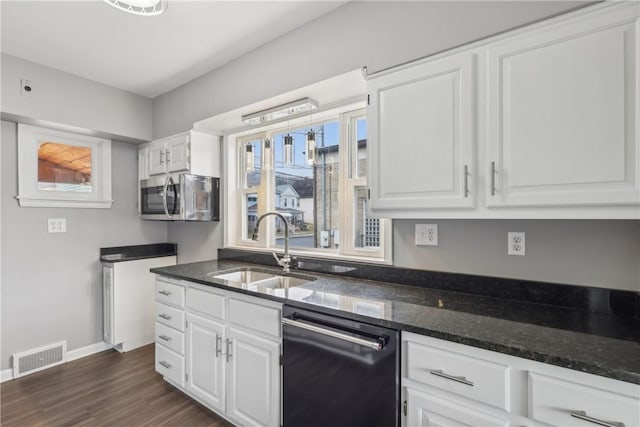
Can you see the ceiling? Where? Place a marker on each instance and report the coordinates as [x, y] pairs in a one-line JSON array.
[[147, 55]]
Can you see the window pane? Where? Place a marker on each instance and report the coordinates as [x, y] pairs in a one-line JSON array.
[[367, 230], [251, 208], [361, 153], [64, 167], [252, 152], [307, 195]]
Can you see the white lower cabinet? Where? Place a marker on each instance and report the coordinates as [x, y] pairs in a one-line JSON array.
[[231, 359], [427, 410], [206, 366], [253, 392], [449, 384]]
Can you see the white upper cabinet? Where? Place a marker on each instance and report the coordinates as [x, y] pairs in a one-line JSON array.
[[421, 137], [189, 152], [562, 117], [540, 122]]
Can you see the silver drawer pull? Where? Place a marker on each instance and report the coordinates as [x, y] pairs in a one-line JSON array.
[[466, 181], [165, 316], [493, 178], [461, 380], [164, 337], [582, 415], [165, 364], [165, 293], [228, 355]]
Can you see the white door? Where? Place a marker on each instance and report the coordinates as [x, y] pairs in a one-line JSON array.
[[421, 137], [426, 410], [254, 380], [206, 364], [157, 162], [177, 153], [562, 118]]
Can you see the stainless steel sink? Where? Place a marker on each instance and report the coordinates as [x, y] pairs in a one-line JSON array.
[[259, 280]]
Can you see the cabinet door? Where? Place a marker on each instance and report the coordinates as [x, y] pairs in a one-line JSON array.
[[562, 118], [177, 152], [254, 380], [422, 136], [426, 410], [157, 162], [206, 365]]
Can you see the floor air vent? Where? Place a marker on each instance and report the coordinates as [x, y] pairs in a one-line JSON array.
[[38, 359]]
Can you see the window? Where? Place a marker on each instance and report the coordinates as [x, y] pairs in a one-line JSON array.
[[324, 202], [62, 169]]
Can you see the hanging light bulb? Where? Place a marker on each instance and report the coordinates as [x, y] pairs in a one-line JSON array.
[[267, 155], [288, 150], [311, 148], [249, 160]]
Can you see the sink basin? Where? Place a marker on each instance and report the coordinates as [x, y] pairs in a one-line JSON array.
[[245, 276], [260, 280]]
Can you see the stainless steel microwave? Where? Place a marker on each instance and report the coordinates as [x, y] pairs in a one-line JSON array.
[[180, 197]]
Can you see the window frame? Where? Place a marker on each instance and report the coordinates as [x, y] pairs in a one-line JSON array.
[[29, 139], [237, 190]]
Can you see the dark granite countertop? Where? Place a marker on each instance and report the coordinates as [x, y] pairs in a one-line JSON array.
[[597, 343], [136, 252]]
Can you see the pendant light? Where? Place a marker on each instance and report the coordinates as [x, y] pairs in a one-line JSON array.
[[267, 155], [249, 159], [140, 7], [311, 148], [288, 150]]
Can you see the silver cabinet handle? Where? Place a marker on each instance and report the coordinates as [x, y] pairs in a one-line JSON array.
[[461, 380], [377, 346], [493, 178], [165, 364], [161, 157], [165, 316], [466, 181], [167, 155], [582, 415], [165, 293], [228, 344], [164, 337], [218, 345]]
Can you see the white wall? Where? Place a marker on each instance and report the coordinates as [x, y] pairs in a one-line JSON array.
[[376, 34], [69, 100], [51, 283]]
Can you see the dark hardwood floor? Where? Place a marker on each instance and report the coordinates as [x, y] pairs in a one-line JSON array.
[[105, 389]]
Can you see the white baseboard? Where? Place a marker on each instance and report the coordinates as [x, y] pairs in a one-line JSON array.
[[78, 353], [6, 375], [88, 350]]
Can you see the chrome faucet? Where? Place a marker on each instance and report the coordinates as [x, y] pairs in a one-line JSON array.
[[285, 261]]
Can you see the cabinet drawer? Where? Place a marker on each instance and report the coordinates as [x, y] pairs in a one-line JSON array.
[[208, 303], [470, 377], [170, 338], [169, 293], [170, 365], [255, 317], [170, 316], [566, 403]]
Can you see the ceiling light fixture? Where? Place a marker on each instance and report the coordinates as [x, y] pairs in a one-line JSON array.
[[140, 7], [280, 111]]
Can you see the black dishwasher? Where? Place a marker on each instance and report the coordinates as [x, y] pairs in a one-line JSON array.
[[338, 372]]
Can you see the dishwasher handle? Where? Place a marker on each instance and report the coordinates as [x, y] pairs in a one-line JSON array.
[[375, 345]]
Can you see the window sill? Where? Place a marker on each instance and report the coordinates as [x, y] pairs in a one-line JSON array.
[[37, 202], [314, 254]]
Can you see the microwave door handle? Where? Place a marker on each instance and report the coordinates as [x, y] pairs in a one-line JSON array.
[[176, 197], [164, 197]]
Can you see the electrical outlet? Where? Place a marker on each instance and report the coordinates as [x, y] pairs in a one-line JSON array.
[[427, 234], [516, 243], [57, 225]]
